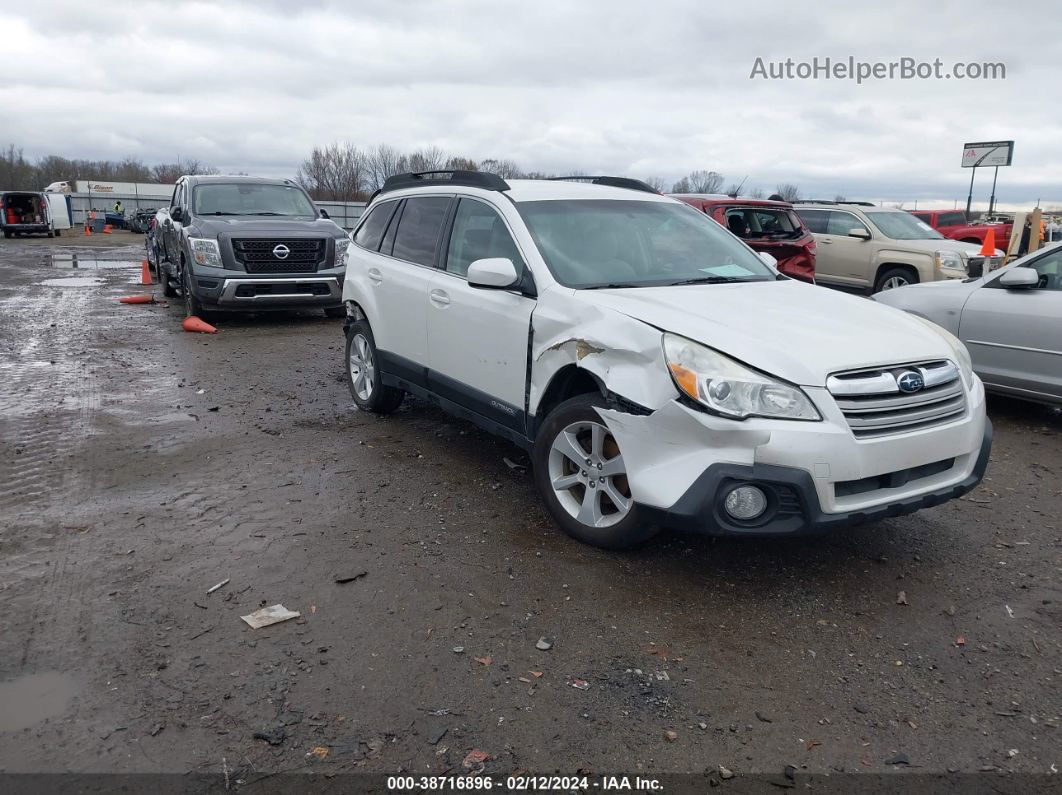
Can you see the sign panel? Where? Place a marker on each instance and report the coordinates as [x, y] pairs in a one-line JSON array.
[[987, 153], [146, 190]]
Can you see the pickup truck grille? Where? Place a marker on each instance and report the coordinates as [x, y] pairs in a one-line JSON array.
[[979, 266], [260, 255], [875, 405]]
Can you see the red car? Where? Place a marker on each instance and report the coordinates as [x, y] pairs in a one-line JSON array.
[[953, 224], [764, 225]]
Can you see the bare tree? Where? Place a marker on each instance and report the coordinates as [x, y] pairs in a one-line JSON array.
[[706, 181], [756, 193], [840, 197], [431, 158], [384, 161], [168, 173], [336, 172], [682, 186], [656, 183], [462, 164], [506, 169], [788, 191]]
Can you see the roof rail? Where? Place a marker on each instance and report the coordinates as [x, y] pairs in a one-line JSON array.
[[615, 182], [834, 201], [446, 176]]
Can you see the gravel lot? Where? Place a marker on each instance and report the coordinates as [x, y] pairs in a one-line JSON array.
[[141, 465]]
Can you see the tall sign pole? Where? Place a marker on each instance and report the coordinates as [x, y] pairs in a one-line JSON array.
[[969, 196], [992, 200]]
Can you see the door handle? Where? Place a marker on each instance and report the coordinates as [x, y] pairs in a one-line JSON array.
[[375, 275], [439, 298]]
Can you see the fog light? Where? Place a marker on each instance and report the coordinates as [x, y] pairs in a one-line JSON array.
[[745, 502]]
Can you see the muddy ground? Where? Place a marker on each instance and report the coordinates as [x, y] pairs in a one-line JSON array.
[[140, 466]]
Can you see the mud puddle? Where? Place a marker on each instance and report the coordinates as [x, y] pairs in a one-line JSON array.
[[73, 281], [30, 699], [75, 261]]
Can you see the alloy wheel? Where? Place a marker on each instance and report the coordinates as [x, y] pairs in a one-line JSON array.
[[894, 282], [587, 473], [362, 368]]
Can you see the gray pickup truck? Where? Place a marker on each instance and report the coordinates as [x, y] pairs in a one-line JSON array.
[[247, 244]]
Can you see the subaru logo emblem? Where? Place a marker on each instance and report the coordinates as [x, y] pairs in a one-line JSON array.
[[281, 251], [910, 381]]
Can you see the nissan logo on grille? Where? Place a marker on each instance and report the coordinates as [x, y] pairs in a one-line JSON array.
[[910, 381], [281, 251]]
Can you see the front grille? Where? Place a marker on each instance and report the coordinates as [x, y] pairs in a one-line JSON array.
[[874, 405], [257, 255], [979, 266]]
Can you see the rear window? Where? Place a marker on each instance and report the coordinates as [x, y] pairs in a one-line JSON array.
[[417, 236], [371, 230], [951, 219], [758, 223], [815, 220]]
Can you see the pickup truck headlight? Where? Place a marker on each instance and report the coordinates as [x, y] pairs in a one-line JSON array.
[[342, 244], [729, 388], [205, 251], [949, 261]]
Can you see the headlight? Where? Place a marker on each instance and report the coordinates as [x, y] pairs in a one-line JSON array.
[[205, 252], [949, 260], [342, 244], [727, 387]]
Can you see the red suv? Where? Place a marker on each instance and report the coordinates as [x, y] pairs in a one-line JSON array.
[[770, 226]]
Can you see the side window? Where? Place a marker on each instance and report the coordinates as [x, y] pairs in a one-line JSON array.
[[1050, 269], [840, 223], [418, 230], [927, 217], [371, 232], [949, 219], [479, 233], [174, 202], [814, 220]]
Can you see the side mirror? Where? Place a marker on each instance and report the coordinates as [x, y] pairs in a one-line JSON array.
[[324, 213], [177, 215], [768, 260], [859, 232], [493, 272], [1019, 278]]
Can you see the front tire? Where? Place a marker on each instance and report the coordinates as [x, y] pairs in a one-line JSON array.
[[363, 373], [581, 476], [192, 305], [892, 278]]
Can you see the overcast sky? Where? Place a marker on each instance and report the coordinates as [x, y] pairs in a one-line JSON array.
[[622, 87]]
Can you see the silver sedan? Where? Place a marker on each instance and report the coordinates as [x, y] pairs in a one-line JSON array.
[[1010, 320]]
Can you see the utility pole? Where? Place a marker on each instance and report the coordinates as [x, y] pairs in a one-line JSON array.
[[992, 200]]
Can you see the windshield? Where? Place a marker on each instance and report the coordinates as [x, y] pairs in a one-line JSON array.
[[903, 226], [249, 198], [590, 243]]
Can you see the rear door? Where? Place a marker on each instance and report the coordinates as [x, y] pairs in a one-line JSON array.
[[399, 279], [172, 233], [1015, 336], [478, 338], [830, 266]]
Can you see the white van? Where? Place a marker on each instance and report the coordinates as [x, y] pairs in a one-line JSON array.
[[25, 213]]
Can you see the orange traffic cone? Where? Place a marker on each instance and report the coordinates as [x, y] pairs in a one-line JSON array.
[[107, 229], [192, 323], [137, 299], [988, 248], [88, 231], [145, 273]]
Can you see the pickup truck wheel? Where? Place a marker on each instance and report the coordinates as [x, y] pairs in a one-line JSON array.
[[581, 476], [892, 278], [363, 374], [192, 306], [7, 233]]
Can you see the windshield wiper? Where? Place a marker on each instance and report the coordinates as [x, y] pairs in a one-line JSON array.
[[709, 280], [219, 212], [613, 286]]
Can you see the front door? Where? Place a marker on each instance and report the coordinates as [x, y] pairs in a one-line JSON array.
[[1015, 335], [478, 338]]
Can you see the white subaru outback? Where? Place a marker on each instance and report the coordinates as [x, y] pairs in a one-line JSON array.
[[660, 373]]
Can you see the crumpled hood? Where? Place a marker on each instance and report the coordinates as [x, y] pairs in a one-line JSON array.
[[264, 226], [796, 331]]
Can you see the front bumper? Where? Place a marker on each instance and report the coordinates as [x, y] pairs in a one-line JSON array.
[[261, 293], [792, 500]]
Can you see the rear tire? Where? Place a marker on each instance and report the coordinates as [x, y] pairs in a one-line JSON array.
[[891, 278], [363, 373], [168, 290], [580, 475]]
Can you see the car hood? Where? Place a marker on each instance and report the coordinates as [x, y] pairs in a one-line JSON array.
[[795, 331], [969, 249], [265, 226]]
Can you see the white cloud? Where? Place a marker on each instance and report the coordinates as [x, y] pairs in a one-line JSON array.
[[626, 87]]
